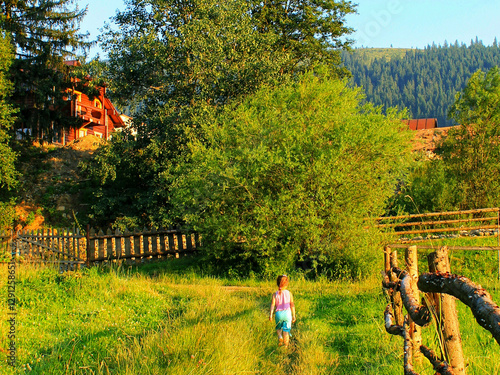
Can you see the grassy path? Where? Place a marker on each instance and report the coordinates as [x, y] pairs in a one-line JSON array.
[[154, 322]]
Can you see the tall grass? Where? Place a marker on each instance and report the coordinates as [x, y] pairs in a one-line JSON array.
[[169, 318]]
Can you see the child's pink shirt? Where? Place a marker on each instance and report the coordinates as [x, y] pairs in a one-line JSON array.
[[282, 300]]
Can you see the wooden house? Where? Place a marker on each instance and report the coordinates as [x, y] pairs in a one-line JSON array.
[[97, 115]]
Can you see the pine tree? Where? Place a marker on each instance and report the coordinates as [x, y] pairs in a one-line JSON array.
[[43, 33], [7, 156]]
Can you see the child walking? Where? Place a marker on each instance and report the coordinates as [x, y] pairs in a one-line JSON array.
[[285, 310]]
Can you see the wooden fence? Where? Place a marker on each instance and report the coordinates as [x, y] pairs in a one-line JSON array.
[[70, 247], [480, 222], [485, 219], [137, 245], [404, 288]]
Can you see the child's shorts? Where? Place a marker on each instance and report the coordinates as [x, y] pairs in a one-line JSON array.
[[283, 320]]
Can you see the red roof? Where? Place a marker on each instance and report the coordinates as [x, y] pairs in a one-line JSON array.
[[422, 123]]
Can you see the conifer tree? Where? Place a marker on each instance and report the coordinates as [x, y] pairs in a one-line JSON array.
[[43, 33], [7, 156]]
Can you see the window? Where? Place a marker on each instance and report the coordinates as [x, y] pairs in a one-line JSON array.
[[97, 103]]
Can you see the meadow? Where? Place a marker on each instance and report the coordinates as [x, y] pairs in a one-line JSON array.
[[170, 318]]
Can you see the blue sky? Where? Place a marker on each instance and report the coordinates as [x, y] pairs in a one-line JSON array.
[[380, 23]]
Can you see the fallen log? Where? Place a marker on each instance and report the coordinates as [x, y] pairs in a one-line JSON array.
[[486, 312]]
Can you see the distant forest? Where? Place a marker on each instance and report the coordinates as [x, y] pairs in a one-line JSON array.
[[423, 80]]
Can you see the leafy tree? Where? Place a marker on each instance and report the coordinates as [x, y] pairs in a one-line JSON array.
[[289, 176], [470, 152], [310, 31], [176, 62], [8, 174], [44, 33]]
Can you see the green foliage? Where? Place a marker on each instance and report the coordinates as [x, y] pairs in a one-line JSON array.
[[8, 174], [288, 176], [470, 152], [309, 31], [172, 63], [427, 188], [44, 33], [7, 215], [424, 81]]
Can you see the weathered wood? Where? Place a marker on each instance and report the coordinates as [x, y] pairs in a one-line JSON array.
[[100, 244], [109, 245], [420, 314], [171, 242], [411, 259], [127, 243], [180, 242], [452, 341], [449, 213], [437, 222], [387, 259], [397, 303], [118, 243], [408, 350], [441, 367], [390, 327], [484, 309], [137, 244]]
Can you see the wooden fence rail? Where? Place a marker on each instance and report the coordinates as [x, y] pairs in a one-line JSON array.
[[441, 222], [71, 247], [154, 243]]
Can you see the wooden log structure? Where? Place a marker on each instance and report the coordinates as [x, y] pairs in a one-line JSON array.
[[420, 314], [447, 314], [484, 309]]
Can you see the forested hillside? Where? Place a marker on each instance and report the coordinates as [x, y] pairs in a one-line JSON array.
[[424, 81]]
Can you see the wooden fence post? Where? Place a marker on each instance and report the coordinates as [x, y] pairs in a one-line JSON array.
[[397, 302], [87, 237], [411, 259], [446, 308]]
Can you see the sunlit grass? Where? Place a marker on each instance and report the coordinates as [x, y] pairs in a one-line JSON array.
[[169, 318]]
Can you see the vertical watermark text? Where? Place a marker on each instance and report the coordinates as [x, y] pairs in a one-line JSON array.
[[11, 312]]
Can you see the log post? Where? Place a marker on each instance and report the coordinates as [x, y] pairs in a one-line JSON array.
[[411, 259], [449, 327], [397, 302]]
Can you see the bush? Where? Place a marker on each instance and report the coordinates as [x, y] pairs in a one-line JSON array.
[[287, 178]]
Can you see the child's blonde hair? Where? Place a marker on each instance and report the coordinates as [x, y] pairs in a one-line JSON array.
[[282, 282]]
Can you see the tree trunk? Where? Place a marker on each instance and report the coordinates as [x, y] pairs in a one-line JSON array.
[[446, 308]]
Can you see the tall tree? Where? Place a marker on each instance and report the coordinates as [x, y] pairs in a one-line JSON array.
[[178, 61], [7, 116], [8, 174], [311, 31], [44, 33], [471, 149]]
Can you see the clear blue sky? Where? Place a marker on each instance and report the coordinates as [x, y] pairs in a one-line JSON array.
[[380, 23]]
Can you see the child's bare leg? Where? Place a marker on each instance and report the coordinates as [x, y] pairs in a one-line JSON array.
[[279, 332], [286, 338]]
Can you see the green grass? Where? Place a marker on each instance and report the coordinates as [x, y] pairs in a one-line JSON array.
[[170, 318]]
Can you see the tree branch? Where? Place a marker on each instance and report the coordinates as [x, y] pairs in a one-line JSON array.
[[441, 367], [486, 312], [420, 314]]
